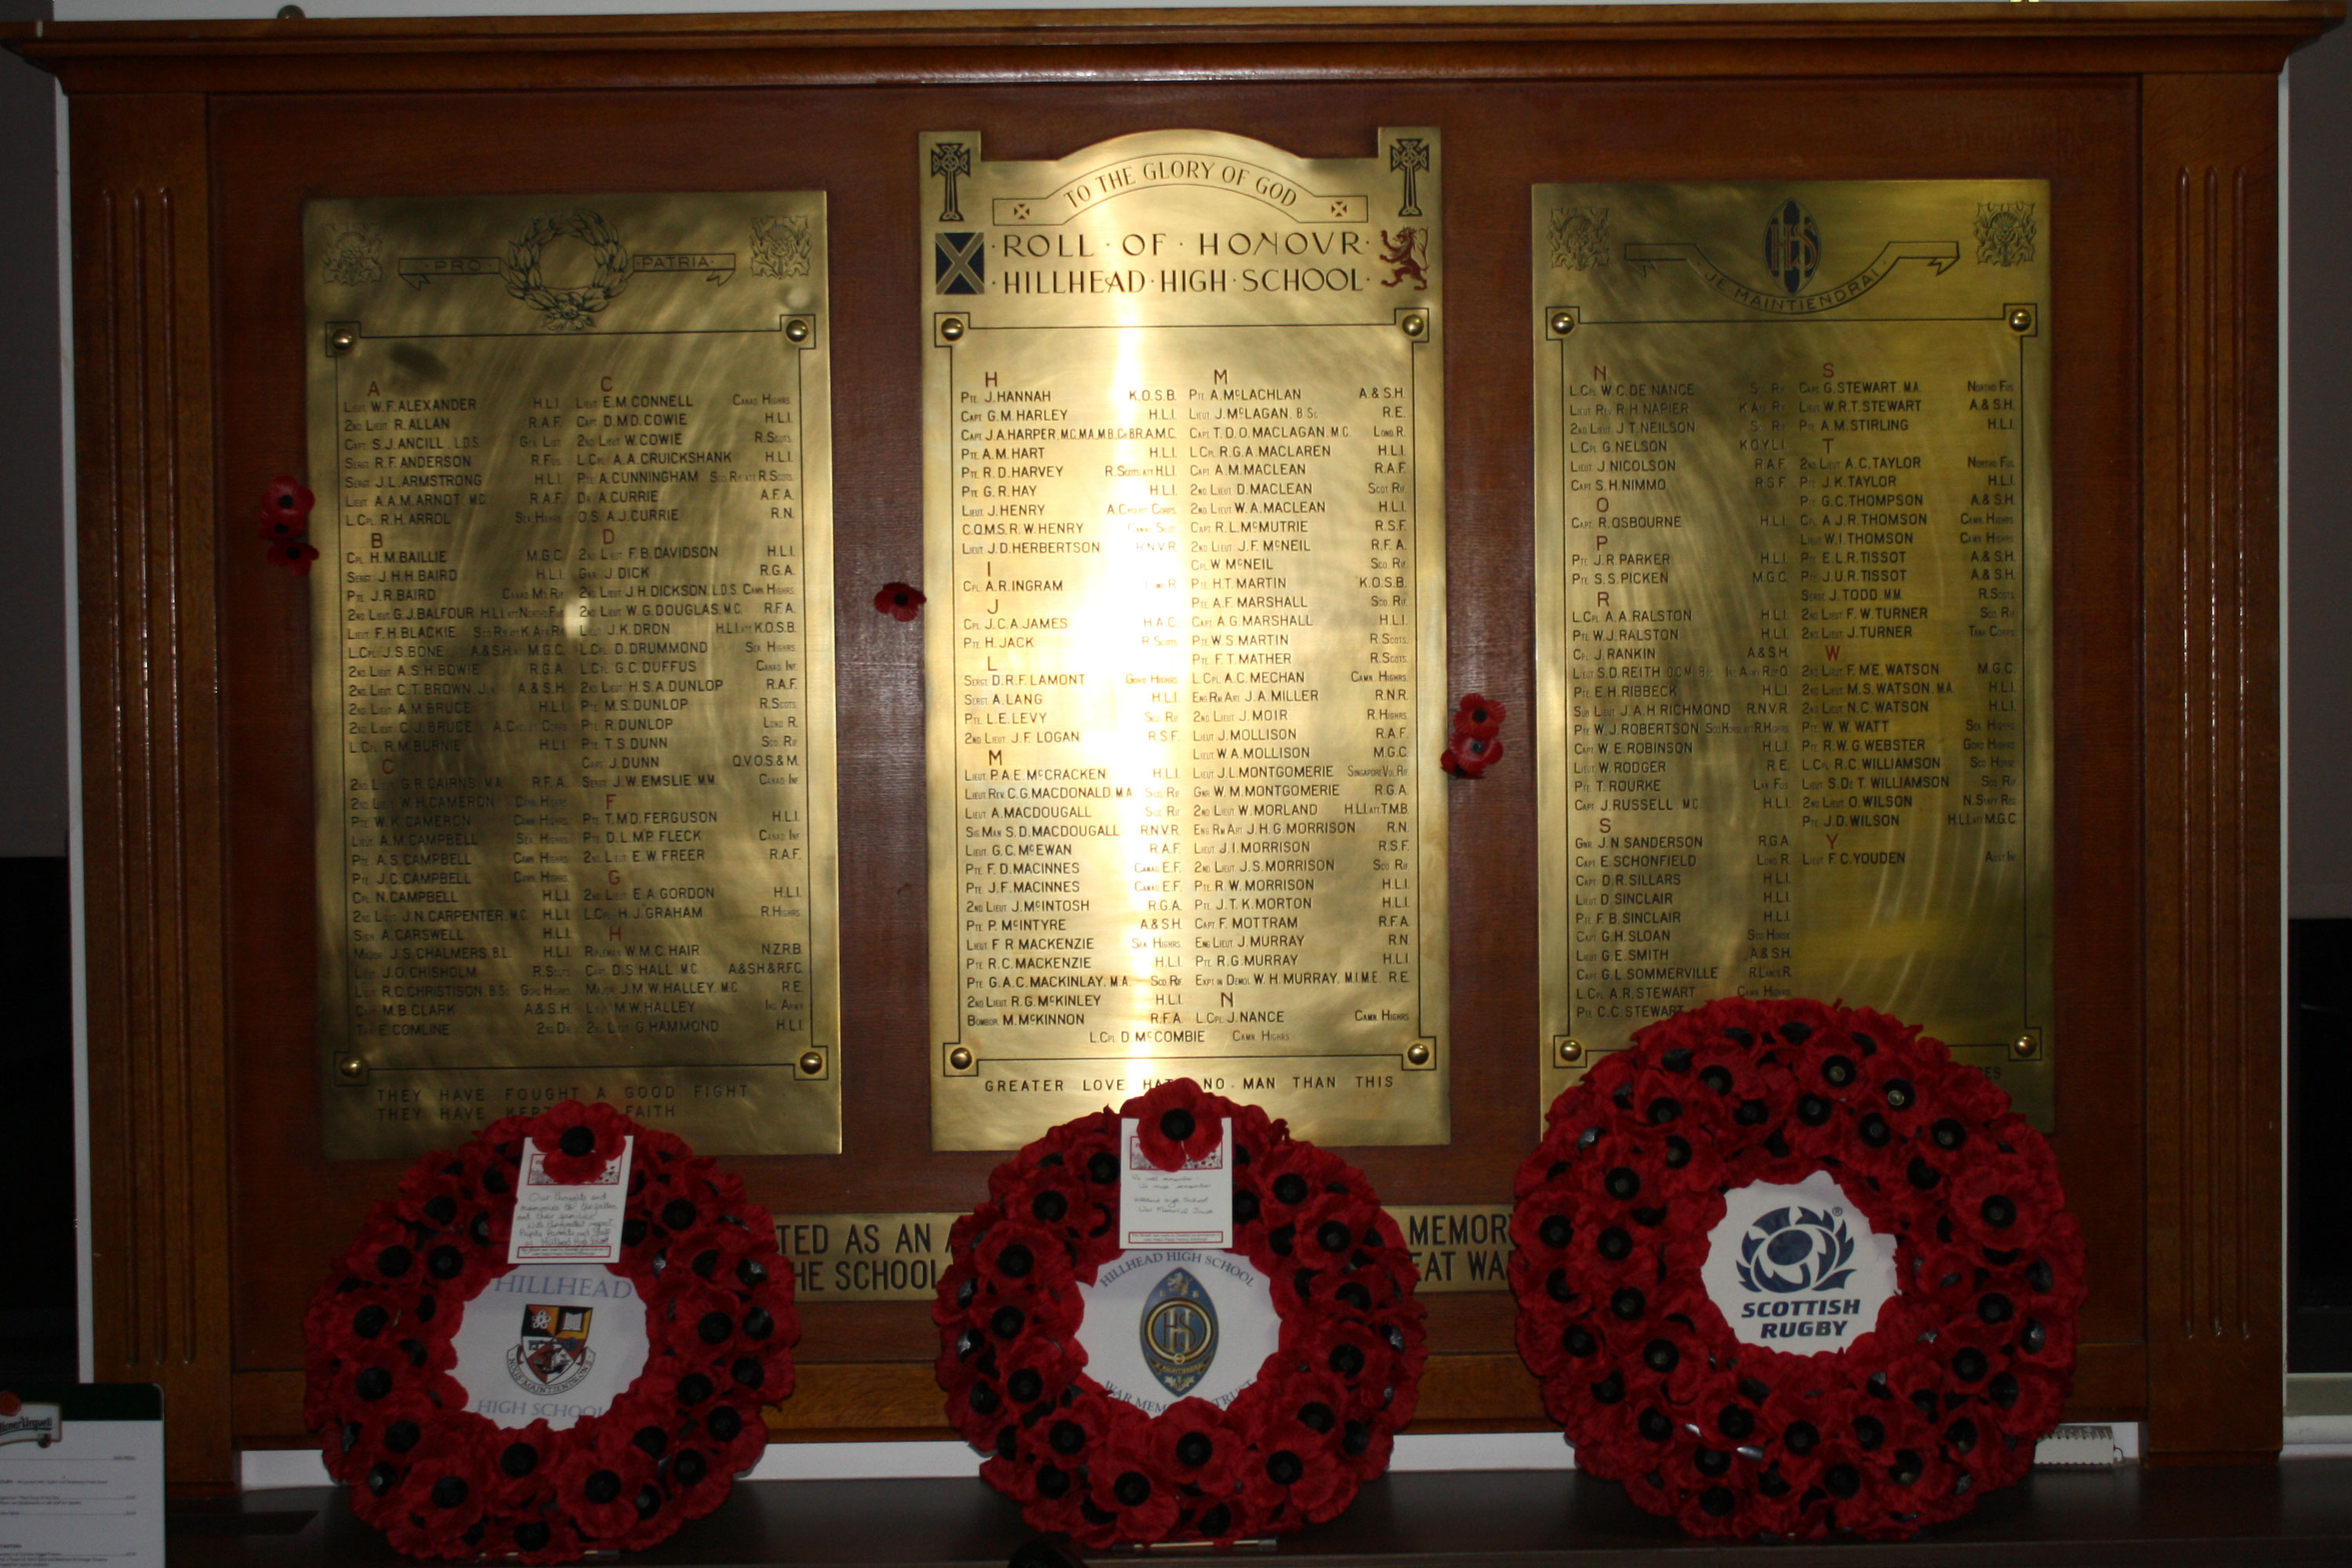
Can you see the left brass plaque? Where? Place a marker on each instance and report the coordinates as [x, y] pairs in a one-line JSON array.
[[573, 665], [1184, 538]]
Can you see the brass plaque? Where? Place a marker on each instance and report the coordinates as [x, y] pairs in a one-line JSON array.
[[866, 1257], [1183, 432], [1792, 564], [573, 665], [1458, 1247]]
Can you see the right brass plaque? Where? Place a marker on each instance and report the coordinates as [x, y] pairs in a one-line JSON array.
[[1794, 608]]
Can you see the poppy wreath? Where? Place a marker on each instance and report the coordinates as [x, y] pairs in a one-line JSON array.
[[1292, 1447], [442, 1481], [1939, 1401]]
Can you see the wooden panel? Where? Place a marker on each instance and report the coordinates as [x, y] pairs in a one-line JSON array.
[[2167, 731], [2211, 455], [158, 1117], [295, 1208]]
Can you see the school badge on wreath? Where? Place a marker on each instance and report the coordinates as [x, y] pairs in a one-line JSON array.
[[551, 1354], [1179, 1331]]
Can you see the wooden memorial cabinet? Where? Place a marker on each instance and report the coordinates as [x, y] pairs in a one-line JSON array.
[[196, 146]]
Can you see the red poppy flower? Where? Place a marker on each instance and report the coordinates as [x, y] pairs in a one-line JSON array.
[[899, 601], [597, 1487], [285, 509], [1173, 1128], [579, 1140], [1477, 717], [295, 554], [1193, 1444], [1123, 1481], [1470, 757]]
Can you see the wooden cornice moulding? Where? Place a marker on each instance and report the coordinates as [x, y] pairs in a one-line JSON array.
[[1338, 43]]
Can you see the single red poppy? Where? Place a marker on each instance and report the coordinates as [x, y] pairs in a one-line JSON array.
[[899, 601], [1479, 717], [295, 554]]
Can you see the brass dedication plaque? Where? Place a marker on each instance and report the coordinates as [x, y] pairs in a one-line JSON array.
[[1794, 608], [572, 677], [1184, 539], [1460, 1250]]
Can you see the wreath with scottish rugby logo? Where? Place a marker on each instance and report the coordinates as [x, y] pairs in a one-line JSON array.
[[441, 1481], [1787, 1269], [1293, 1447]]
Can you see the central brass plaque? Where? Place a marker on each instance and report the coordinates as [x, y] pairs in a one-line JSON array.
[[1793, 579], [1184, 538], [573, 666]]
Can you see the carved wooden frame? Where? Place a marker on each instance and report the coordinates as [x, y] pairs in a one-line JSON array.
[[2206, 726]]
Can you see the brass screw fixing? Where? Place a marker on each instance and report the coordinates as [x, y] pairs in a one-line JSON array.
[[960, 1059], [1417, 1054], [2024, 1047], [342, 340], [812, 1063], [796, 331], [1562, 323], [1570, 1052], [2020, 320], [350, 1069], [951, 329], [1415, 325]]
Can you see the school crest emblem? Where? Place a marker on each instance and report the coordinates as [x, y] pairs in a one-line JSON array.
[[1792, 247], [552, 1354], [1179, 1331]]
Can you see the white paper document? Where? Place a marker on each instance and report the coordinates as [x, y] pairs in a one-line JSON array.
[[580, 1222], [81, 1475], [1190, 1207]]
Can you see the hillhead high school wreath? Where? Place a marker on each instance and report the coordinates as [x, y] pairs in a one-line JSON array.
[[554, 1340], [1177, 1322]]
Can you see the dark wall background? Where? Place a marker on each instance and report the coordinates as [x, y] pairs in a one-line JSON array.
[[37, 1338], [2319, 479]]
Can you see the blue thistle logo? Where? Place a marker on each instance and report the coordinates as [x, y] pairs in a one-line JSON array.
[[1796, 1249]]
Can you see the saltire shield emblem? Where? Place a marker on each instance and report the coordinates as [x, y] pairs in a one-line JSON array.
[[960, 265], [552, 1354], [1179, 1331]]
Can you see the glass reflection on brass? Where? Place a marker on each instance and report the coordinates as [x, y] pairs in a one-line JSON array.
[[1793, 579], [1183, 437], [573, 665]]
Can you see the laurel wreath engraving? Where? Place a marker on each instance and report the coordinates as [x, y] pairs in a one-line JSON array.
[[567, 310]]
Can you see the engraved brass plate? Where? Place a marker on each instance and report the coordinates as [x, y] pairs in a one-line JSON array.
[[572, 667], [1458, 1247], [1793, 569], [1184, 538], [865, 1257]]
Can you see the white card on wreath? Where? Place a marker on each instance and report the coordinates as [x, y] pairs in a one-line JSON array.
[[570, 1222], [1190, 1207]]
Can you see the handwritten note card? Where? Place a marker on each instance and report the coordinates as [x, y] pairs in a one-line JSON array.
[[577, 1222], [1190, 1207]]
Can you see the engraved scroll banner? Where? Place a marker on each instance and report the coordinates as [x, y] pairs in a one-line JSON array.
[[1793, 585], [573, 668], [1185, 543]]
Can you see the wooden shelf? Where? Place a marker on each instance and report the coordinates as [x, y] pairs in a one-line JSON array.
[[2299, 1512]]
